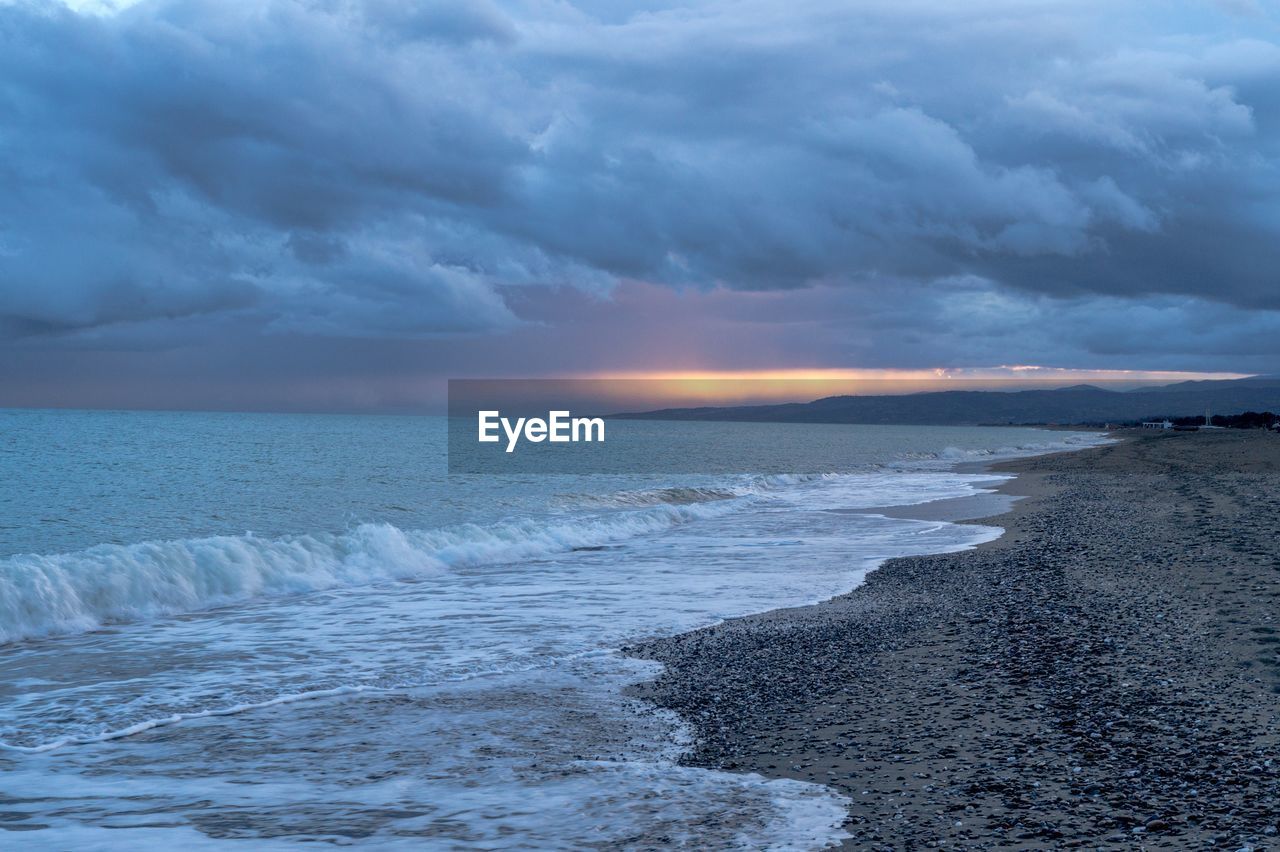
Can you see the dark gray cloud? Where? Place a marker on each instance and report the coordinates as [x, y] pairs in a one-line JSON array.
[[1039, 176]]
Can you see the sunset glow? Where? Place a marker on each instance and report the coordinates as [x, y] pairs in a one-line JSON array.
[[660, 388]]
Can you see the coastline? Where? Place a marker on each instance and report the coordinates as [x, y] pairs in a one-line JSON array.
[[1103, 673]]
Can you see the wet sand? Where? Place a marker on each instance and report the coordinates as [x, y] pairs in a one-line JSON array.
[[1106, 674]]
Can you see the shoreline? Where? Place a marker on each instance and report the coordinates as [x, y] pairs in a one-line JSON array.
[[1089, 677], [1006, 498]]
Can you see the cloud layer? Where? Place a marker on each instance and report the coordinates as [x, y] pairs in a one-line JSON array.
[[195, 170]]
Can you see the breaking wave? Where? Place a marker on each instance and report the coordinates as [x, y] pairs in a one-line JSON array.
[[686, 495], [1068, 442], [656, 497], [43, 595]]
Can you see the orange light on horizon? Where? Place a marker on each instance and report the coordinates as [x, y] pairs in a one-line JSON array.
[[696, 387], [1022, 372]]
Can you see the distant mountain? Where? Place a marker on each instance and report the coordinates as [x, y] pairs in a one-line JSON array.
[[1079, 404]]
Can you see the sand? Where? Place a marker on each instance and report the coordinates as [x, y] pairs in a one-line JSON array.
[[1106, 674]]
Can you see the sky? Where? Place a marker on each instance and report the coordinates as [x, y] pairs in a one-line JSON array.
[[337, 205]]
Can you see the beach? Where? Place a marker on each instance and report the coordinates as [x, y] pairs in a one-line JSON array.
[[1105, 674]]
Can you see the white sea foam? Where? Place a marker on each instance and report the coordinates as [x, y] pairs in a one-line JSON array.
[[741, 486], [511, 615], [44, 595], [429, 775], [58, 594], [175, 718], [1068, 441]]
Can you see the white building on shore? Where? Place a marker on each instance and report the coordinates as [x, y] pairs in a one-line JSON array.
[[1157, 424]]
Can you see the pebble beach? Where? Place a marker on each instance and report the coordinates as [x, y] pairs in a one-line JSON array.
[[1106, 674]]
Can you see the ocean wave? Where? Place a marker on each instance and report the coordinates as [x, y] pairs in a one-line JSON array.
[[43, 595], [745, 486], [1034, 448], [655, 497]]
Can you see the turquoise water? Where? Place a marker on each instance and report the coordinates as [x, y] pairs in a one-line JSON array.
[[292, 629], [73, 479]]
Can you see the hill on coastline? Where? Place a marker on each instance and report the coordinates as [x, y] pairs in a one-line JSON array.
[[1076, 405]]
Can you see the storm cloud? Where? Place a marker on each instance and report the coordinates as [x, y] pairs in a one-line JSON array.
[[1050, 173]]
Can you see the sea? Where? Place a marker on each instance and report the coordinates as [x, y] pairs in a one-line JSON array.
[[261, 631]]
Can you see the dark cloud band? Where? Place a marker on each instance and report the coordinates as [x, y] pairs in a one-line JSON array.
[[396, 169]]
